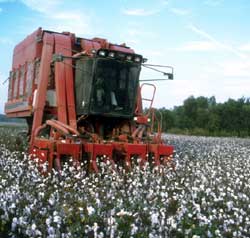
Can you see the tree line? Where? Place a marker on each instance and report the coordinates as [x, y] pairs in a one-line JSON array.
[[204, 116], [201, 116], [4, 118]]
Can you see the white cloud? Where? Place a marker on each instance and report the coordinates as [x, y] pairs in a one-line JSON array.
[[179, 11], [134, 36], [54, 18], [209, 37], [77, 24], [140, 33], [150, 53], [213, 3], [199, 46], [237, 89], [164, 2], [5, 40], [133, 32], [66, 16], [43, 7], [140, 12], [235, 68], [245, 47], [1, 9]]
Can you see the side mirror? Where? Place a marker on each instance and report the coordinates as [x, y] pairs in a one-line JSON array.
[[170, 76], [158, 68]]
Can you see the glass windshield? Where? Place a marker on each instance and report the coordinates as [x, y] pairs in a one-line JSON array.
[[83, 84], [114, 87]]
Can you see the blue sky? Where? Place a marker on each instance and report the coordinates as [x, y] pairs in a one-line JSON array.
[[206, 41]]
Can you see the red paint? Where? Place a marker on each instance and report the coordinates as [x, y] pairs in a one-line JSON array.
[[129, 137]]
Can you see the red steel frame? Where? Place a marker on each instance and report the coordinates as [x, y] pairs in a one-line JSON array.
[[52, 149]]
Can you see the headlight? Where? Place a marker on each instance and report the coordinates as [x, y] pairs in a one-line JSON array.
[[129, 57], [137, 59], [111, 54], [102, 53]]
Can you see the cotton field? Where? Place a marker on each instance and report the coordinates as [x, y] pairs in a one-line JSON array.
[[206, 196]]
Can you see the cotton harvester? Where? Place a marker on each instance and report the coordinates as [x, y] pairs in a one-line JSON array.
[[82, 100]]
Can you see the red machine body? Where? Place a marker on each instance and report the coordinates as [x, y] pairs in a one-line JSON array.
[[82, 100]]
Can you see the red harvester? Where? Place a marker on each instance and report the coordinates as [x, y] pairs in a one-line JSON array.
[[82, 99]]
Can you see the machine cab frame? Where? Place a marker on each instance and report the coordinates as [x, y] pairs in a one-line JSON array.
[[107, 84]]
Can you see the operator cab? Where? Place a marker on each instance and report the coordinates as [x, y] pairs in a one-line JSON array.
[[107, 84]]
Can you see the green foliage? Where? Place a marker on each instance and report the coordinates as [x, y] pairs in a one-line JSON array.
[[4, 118], [203, 116]]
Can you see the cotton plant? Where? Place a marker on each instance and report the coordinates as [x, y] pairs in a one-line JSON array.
[[207, 195]]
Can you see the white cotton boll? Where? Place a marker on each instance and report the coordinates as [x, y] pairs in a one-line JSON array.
[[77, 176], [90, 210], [134, 229], [14, 223], [209, 234], [27, 210], [100, 235], [71, 169], [111, 221], [197, 207], [51, 231], [95, 228], [22, 221], [80, 209], [230, 205], [171, 221], [123, 213], [51, 201], [33, 227], [154, 219], [208, 190], [98, 202], [38, 233], [217, 232], [195, 189], [12, 206], [187, 231], [48, 221], [152, 235], [41, 194], [57, 219]]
